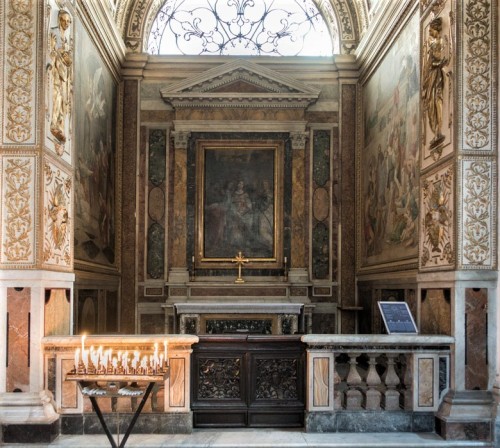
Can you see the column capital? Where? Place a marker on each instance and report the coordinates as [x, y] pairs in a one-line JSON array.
[[181, 139]]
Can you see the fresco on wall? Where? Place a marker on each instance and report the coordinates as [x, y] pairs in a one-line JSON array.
[[389, 183], [95, 99]]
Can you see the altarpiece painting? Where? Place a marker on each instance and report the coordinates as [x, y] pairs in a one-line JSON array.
[[239, 202]]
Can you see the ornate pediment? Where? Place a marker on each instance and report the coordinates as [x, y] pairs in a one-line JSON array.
[[240, 83]]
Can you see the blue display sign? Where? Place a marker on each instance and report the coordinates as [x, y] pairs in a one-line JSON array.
[[397, 318]]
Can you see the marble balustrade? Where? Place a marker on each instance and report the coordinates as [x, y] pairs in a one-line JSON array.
[[377, 372]]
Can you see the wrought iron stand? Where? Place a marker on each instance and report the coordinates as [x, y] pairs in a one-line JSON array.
[[84, 381]]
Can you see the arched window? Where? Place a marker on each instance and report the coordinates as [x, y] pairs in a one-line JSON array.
[[240, 27]]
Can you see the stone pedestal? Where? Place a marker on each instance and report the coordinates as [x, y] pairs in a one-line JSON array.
[[467, 415]]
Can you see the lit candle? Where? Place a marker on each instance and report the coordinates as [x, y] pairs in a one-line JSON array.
[[83, 343], [77, 357]]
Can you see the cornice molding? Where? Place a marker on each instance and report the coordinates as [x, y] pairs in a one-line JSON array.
[[276, 89]]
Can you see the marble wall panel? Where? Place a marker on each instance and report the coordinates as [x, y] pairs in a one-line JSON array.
[[18, 334], [435, 312], [177, 389], [69, 389], [320, 385], [425, 382], [425, 395], [321, 375], [57, 313], [476, 337]]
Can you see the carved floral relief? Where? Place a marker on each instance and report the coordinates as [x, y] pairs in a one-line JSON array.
[[477, 85], [19, 72], [18, 206], [437, 218], [57, 214], [477, 232]]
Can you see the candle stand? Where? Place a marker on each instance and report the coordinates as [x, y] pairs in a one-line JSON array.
[[115, 388]]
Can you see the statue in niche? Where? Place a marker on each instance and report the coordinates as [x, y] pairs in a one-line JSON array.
[[60, 72], [434, 79]]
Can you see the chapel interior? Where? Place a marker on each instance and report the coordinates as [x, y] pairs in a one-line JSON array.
[[248, 213]]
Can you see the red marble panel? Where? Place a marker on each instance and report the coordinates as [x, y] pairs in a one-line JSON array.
[[18, 310], [476, 334]]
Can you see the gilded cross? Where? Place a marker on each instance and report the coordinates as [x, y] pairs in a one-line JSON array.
[[239, 260]]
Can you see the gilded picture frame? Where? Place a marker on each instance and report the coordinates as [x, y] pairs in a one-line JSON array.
[[239, 195]]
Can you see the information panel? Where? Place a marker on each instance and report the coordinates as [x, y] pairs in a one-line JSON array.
[[397, 318]]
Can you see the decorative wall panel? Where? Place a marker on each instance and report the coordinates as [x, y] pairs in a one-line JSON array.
[[19, 70], [57, 213], [59, 57], [18, 210], [321, 187], [477, 79], [478, 224], [155, 263], [437, 219]]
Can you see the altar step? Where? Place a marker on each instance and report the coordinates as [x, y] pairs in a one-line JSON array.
[[261, 438], [27, 418]]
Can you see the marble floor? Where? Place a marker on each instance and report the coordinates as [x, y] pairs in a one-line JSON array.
[[252, 438]]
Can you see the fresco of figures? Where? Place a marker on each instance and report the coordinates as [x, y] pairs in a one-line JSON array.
[[95, 95], [390, 197]]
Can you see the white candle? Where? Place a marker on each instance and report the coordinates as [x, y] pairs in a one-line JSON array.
[[165, 343], [285, 260], [83, 343], [77, 357]]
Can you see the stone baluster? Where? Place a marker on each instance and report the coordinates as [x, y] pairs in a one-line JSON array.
[[373, 380], [407, 381], [338, 395], [354, 397], [391, 380]]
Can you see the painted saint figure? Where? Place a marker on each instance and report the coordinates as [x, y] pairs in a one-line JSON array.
[[60, 51], [433, 82]]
